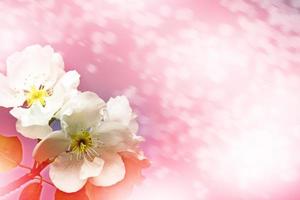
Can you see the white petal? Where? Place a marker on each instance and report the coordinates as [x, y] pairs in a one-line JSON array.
[[35, 115], [33, 122], [34, 66], [114, 136], [34, 131], [80, 112], [112, 172], [65, 174], [70, 80], [118, 109], [51, 146], [62, 92], [91, 169], [133, 125], [9, 97]]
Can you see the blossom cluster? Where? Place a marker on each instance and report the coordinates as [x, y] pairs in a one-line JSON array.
[[78, 132]]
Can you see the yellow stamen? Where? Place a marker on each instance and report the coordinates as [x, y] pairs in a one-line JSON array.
[[36, 95], [81, 142]]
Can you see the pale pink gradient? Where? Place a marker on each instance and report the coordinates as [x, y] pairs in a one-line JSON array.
[[215, 85]]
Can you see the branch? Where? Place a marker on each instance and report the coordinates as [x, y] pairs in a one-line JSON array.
[[24, 179]]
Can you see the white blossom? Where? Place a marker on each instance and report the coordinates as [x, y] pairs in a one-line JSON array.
[[36, 86], [88, 145]]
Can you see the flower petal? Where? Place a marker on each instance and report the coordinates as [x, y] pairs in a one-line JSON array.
[[32, 122], [91, 169], [65, 173], [64, 89], [35, 115], [112, 172], [70, 80], [118, 109], [114, 136], [8, 97], [51, 146], [81, 111], [133, 125], [34, 131], [34, 66]]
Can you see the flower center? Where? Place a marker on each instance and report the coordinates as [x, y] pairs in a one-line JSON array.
[[37, 95], [84, 145], [81, 142]]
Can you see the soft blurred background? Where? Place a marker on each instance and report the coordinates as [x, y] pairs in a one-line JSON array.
[[216, 86]]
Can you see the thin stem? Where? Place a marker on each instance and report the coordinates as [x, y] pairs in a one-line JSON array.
[[24, 179], [35, 164]]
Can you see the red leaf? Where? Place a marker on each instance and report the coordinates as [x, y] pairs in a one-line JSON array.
[[10, 152], [32, 191], [80, 195], [122, 189]]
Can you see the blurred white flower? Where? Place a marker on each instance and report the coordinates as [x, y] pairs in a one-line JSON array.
[[88, 146], [36, 86]]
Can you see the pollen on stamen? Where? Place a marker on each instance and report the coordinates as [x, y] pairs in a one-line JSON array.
[[83, 146], [36, 95]]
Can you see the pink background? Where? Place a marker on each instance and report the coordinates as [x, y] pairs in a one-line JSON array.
[[215, 84]]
